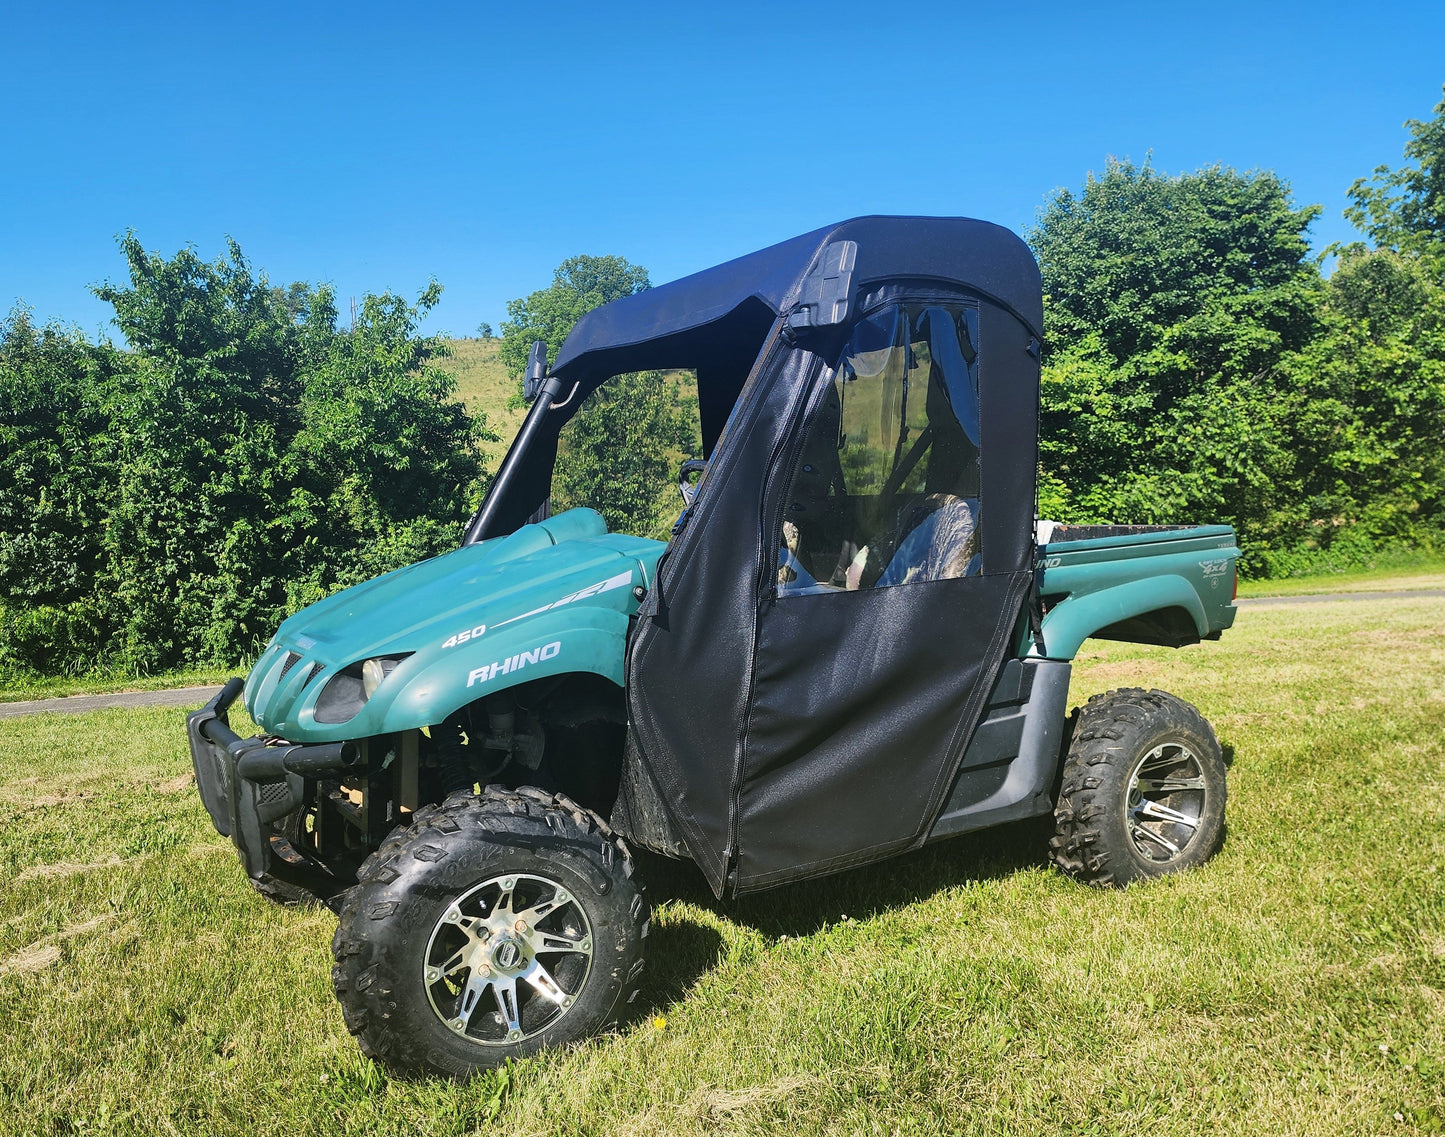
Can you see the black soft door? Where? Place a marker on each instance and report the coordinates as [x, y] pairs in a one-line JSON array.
[[881, 627], [815, 654], [690, 661]]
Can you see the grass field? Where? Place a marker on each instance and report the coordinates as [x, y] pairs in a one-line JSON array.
[[483, 385], [1295, 985]]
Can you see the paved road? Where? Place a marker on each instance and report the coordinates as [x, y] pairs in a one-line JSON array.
[[72, 704], [195, 696], [1326, 597]]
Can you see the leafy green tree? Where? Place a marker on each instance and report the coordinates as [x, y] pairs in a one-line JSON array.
[[57, 475], [579, 284], [1368, 406], [1170, 304], [1369, 403], [1404, 209], [245, 457], [56, 471], [620, 452], [616, 455], [393, 448], [202, 439], [1159, 267]]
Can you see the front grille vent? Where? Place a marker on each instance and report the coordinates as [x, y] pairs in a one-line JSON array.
[[272, 792], [316, 669], [291, 660]]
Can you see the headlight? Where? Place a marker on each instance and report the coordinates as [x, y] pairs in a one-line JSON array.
[[373, 671], [348, 690]]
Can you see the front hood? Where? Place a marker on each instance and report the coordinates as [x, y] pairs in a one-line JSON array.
[[435, 604]]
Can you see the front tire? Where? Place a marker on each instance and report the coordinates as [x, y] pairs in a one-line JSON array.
[[493, 927], [1143, 790]]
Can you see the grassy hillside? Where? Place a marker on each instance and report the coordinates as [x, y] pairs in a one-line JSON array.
[[1294, 985], [483, 385]]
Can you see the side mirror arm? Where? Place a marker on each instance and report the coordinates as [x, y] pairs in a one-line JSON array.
[[536, 371]]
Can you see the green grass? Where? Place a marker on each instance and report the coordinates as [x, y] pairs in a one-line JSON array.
[[1294, 985]]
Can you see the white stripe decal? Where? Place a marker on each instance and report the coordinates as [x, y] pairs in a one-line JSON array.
[[621, 580]]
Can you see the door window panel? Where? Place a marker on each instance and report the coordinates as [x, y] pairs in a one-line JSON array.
[[886, 487]]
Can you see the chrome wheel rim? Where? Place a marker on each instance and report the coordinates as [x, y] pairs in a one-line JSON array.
[[1167, 797], [507, 959]]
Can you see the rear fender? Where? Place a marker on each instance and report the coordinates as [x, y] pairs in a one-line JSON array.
[[1074, 619]]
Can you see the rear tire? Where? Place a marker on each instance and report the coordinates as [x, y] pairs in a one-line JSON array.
[[494, 927], [1143, 790]]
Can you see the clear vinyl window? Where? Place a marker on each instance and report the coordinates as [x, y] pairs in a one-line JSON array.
[[886, 486]]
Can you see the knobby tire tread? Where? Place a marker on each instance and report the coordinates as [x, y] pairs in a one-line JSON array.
[[524, 817], [1104, 734]]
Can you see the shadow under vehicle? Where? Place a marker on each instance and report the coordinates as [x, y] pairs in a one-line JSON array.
[[857, 641]]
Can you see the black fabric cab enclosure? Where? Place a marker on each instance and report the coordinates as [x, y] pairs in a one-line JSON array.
[[827, 622]]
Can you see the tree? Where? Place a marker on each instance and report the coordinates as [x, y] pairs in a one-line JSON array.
[[193, 559], [1404, 209], [620, 452], [394, 450], [484, 331], [57, 476], [1146, 263], [245, 457], [617, 452], [578, 285], [1368, 406], [56, 473], [1170, 304]]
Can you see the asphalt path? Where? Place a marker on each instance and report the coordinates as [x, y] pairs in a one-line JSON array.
[[195, 696], [76, 704], [1330, 597]]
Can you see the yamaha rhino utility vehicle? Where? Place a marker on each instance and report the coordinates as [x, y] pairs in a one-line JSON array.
[[857, 641]]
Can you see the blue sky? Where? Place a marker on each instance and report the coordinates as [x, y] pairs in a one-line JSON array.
[[377, 146]]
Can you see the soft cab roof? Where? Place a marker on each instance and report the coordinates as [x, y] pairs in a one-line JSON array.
[[684, 323]]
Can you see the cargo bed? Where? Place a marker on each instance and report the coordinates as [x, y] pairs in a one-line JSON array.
[[1155, 584]]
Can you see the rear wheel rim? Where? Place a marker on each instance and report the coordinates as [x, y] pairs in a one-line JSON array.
[[508, 959], [1166, 802]]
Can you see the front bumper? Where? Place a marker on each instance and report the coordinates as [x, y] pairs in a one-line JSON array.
[[249, 784]]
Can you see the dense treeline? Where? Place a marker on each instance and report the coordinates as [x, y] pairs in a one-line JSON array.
[[1199, 367], [168, 503]]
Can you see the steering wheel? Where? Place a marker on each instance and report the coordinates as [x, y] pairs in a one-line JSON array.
[[688, 489]]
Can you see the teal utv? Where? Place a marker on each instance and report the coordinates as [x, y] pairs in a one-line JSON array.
[[856, 641]]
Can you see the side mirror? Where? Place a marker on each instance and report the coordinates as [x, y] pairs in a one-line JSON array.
[[536, 371], [827, 293]]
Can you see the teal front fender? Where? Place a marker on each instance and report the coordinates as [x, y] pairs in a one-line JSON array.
[[1074, 619], [592, 639]]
